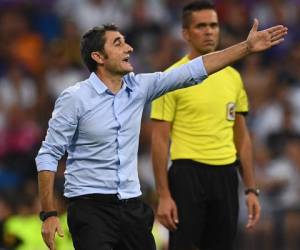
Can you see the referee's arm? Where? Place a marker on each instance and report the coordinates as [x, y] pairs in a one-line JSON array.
[[244, 148]]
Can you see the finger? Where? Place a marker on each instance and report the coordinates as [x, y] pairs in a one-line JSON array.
[[167, 222], [255, 25], [49, 241], [60, 231], [277, 36], [52, 245], [171, 223], [175, 215], [250, 216], [168, 219], [277, 42], [275, 28], [250, 221], [46, 242], [256, 214], [46, 238], [279, 32]]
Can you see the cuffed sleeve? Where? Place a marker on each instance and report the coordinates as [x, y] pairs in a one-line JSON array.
[[61, 130]]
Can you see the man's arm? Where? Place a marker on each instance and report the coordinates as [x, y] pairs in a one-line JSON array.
[[51, 225], [257, 41], [189, 74], [244, 147], [166, 210]]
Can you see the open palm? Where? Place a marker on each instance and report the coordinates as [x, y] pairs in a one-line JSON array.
[[264, 39]]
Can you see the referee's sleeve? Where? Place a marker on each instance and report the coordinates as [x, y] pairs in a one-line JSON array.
[[163, 108], [242, 101]]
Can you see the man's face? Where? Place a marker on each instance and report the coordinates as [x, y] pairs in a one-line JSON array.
[[203, 31], [116, 54]]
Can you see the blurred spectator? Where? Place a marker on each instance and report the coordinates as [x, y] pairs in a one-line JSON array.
[[285, 198], [20, 138], [22, 44], [275, 11], [265, 97], [70, 41], [60, 73], [235, 17], [17, 89], [89, 13]]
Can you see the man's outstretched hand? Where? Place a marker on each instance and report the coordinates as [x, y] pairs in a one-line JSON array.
[[264, 39]]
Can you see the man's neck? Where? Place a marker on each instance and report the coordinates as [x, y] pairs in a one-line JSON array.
[[194, 53], [112, 81]]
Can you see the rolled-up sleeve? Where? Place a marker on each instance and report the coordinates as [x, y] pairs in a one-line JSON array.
[[62, 126], [159, 83]]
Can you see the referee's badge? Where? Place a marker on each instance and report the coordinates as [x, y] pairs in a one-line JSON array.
[[231, 111]]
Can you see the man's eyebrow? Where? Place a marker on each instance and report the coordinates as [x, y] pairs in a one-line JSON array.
[[207, 23], [117, 39]]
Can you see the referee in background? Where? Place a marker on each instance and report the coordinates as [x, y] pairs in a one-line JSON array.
[[198, 197]]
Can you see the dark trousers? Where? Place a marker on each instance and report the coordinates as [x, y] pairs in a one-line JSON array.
[[103, 222], [207, 202]]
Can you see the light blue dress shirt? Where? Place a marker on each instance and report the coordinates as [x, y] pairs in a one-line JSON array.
[[100, 130]]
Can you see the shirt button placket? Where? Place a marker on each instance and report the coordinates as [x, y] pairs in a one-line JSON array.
[[115, 108]]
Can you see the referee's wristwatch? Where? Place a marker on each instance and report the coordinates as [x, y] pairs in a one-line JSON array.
[[45, 215], [255, 191]]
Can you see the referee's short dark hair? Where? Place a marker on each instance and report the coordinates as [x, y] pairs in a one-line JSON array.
[[192, 7], [94, 40]]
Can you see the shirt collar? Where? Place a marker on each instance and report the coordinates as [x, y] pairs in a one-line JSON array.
[[100, 87]]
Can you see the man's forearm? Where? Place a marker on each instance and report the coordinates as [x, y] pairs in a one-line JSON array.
[[244, 147], [46, 189], [256, 41], [220, 59], [247, 164]]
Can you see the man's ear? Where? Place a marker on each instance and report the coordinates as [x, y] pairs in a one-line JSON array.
[[98, 57], [186, 35]]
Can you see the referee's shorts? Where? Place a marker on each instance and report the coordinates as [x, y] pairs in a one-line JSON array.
[[207, 202]]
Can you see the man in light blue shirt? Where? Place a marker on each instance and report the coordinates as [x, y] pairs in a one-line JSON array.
[[97, 122]]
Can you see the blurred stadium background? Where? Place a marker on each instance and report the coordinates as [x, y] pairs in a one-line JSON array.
[[39, 57]]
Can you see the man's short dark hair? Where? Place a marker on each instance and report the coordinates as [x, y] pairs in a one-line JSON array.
[[94, 40], [192, 7]]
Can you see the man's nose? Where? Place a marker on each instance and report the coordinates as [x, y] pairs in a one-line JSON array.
[[129, 48], [208, 29]]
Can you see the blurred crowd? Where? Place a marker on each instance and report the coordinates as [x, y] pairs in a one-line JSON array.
[[40, 57]]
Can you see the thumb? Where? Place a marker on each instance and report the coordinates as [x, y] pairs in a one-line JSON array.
[[255, 25], [60, 232], [175, 215], [250, 209], [250, 215]]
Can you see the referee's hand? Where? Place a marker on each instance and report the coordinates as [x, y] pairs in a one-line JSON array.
[[253, 210], [50, 227], [167, 213]]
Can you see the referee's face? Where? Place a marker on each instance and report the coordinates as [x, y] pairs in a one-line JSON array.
[[203, 32]]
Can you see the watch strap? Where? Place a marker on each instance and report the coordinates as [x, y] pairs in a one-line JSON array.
[[255, 191], [45, 215]]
